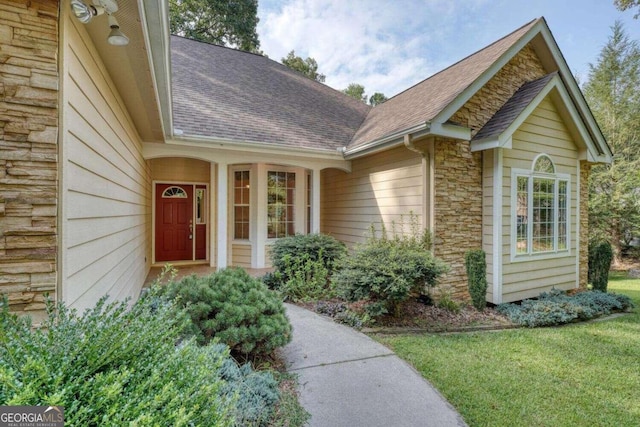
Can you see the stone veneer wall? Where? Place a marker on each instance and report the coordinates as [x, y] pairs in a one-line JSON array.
[[585, 170], [458, 172], [28, 151]]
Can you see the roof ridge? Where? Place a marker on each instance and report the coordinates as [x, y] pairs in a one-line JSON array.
[[467, 57]]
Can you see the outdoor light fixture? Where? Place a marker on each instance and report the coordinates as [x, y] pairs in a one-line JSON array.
[[116, 37], [86, 12]]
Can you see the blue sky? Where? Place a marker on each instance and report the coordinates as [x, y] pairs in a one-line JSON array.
[[390, 45]]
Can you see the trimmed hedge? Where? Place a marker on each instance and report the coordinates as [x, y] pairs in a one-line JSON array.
[[600, 257], [475, 263]]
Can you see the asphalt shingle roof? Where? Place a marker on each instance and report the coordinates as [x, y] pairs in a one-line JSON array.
[[513, 108], [422, 102], [224, 93], [228, 94]]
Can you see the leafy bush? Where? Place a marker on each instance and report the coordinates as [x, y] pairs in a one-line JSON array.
[[233, 307], [316, 247], [303, 265], [341, 313], [386, 271], [556, 308], [600, 257], [303, 279], [114, 365], [475, 263]]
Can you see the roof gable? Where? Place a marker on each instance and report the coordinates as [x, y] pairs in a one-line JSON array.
[[427, 99], [498, 131]]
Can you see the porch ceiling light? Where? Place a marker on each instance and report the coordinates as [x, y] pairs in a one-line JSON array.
[[86, 12]]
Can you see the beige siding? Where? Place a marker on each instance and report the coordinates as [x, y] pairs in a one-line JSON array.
[[106, 203], [241, 255], [487, 217], [381, 187], [180, 170], [543, 132]]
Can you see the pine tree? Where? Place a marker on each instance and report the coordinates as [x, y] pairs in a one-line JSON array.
[[613, 93]]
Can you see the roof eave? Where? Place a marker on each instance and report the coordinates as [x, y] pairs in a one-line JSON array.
[[155, 26], [422, 130]]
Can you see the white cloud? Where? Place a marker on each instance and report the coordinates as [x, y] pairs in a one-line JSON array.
[[383, 46]]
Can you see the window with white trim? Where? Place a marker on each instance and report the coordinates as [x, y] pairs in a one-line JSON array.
[[541, 209], [241, 206], [281, 188]]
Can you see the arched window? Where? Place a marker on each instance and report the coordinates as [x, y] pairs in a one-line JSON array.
[[174, 193], [541, 209]]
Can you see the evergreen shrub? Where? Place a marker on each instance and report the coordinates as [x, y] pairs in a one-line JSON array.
[[557, 308], [475, 263], [303, 265], [600, 257], [387, 271], [234, 308], [114, 365]]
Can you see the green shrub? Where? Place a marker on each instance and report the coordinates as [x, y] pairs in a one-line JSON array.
[[600, 257], [316, 247], [303, 279], [114, 365], [235, 308], [557, 308], [386, 271], [257, 393], [303, 264], [475, 263]]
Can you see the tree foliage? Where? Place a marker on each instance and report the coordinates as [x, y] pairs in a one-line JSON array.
[[308, 66], [217, 21], [377, 98], [628, 4], [356, 91], [613, 95]]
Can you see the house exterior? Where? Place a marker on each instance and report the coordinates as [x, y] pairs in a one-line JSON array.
[[117, 158]]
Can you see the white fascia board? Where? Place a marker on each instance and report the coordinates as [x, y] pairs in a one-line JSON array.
[[236, 153], [386, 142], [577, 96], [484, 144], [445, 130], [155, 28]]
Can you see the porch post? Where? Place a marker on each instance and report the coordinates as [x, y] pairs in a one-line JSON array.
[[213, 229], [223, 209], [315, 201]]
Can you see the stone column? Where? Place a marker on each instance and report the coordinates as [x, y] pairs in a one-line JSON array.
[[28, 153]]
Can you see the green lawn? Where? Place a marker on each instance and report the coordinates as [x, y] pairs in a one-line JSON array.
[[577, 375]]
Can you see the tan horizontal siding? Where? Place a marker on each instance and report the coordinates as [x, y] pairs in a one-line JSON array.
[[107, 203], [543, 132], [241, 255], [382, 187], [180, 170]]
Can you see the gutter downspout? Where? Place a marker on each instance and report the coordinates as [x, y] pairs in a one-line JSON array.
[[428, 186]]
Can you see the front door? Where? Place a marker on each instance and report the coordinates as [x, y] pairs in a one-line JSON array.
[[174, 222]]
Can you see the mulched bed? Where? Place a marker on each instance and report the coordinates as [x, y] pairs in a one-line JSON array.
[[419, 317], [414, 315]]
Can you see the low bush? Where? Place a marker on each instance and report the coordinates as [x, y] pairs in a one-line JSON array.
[[386, 271], [557, 308], [316, 247], [303, 265], [475, 263], [600, 257], [115, 365], [233, 307]]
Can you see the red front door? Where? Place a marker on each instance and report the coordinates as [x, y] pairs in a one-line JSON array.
[[174, 222]]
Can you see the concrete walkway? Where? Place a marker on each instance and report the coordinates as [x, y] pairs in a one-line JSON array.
[[348, 380]]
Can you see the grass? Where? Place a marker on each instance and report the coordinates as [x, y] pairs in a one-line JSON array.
[[578, 375]]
